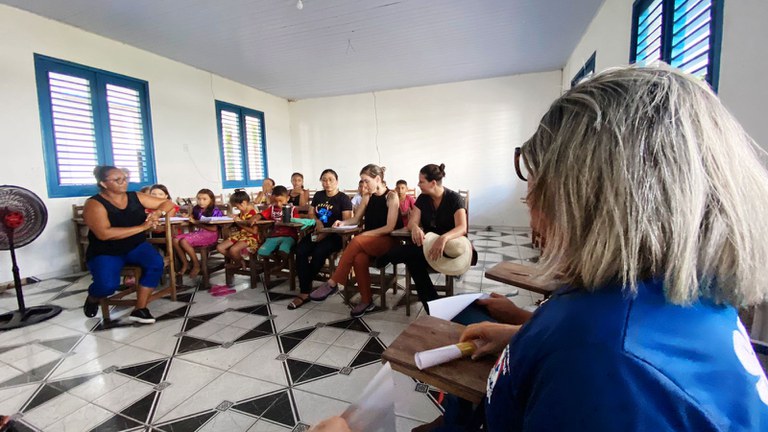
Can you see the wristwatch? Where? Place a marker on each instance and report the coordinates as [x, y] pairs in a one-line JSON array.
[[162, 212]]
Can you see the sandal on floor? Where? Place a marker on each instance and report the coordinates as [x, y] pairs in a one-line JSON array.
[[298, 302]]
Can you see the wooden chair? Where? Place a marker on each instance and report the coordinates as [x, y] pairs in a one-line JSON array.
[[254, 269], [447, 289], [118, 299], [81, 235], [379, 285]]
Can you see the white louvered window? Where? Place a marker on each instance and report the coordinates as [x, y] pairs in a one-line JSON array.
[[684, 33], [242, 145], [91, 117]]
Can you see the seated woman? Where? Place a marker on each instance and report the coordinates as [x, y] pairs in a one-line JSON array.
[[298, 196], [262, 199], [651, 198], [380, 209], [438, 210], [328, 206], [117, 225]]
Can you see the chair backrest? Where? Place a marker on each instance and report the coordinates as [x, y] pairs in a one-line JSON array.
[[312, 193], [304, 211], [465, 194], [350, 193], [412, 192]]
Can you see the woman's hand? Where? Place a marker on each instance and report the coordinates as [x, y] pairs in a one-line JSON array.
[[338, 223], [151, 222], [504, 310], [333, 424], [437, 248], [417, 236], [490, 338]]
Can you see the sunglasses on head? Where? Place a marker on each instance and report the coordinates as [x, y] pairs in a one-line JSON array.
[[518, 156]]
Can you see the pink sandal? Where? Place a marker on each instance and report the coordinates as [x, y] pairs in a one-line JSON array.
[[223, 292]]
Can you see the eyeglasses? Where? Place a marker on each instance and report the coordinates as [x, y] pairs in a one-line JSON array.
[[118, 180], [518, 156]]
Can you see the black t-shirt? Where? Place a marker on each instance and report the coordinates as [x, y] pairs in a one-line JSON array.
[[132, 215], [328, 209], [440, 220]]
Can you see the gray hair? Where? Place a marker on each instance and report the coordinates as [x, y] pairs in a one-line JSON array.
[[642, 173]]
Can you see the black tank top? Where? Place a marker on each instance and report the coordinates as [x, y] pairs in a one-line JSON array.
[[376, 213], [295, 200], [132, 215]]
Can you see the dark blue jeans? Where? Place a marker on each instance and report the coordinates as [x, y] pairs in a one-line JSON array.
[[105, 269]]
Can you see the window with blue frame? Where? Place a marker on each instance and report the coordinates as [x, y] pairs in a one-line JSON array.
[[586, 71], [683, 33], [242, 145], [92, 117]]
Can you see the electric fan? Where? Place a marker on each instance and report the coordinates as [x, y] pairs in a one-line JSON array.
[[22, 219]]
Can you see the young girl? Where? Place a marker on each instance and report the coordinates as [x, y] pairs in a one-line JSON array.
[[266, 191], [407, 202], [379, 207], [247, 236], [298, 195], [206, 235]]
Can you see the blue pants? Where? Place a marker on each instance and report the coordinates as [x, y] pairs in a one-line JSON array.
[[272, 244], [105, 269]]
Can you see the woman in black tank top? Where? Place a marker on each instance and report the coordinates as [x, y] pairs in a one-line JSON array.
[[379, 212], [117, 223]]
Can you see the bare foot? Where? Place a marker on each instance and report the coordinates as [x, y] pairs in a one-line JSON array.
[[194, 272], [183, 269]]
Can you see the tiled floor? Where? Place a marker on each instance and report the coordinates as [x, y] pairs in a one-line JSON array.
[[238, 363]]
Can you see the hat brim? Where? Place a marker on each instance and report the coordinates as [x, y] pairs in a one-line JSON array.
[[451, 266]]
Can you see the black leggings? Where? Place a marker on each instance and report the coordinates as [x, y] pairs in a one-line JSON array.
[[413, 257], [318, 252]]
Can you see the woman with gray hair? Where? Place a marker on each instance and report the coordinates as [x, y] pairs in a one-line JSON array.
[[651, 199]]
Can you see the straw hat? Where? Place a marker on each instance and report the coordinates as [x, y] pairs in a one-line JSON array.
[[457, 255]]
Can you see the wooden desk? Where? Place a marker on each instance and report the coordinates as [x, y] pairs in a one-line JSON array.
[[464, 377], [522, 276], [401, 233], [342, 231]]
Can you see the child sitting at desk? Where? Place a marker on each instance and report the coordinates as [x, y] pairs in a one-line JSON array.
[[247, 236], [205, 235], [282, 238], [407, 202]]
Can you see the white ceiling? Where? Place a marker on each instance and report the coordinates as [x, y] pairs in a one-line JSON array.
[[336, 47]]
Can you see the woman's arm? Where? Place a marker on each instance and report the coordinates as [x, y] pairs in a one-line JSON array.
[[459, 229], [304, 200], [393, 213], [160, 204], [95, 216], [358, 214], [417, 234]]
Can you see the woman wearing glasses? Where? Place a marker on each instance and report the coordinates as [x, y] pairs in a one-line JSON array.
[[652, 200], [438, 210], [117, 223]]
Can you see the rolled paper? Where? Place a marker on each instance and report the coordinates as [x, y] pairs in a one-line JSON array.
[[437, 356]]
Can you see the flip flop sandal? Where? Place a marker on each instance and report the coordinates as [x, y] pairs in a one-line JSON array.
[[224, 292], [216, 288], [298, 302]]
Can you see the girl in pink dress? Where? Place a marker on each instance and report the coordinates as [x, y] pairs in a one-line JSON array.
[[199, 235]]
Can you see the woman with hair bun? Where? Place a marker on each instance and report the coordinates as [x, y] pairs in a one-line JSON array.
[[380, 207], [438, 210]]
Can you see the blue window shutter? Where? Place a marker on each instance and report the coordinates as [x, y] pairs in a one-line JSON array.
[[91, 117], [242, 145], [684, 33]]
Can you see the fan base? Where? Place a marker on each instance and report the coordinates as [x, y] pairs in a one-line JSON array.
[[31, 315]]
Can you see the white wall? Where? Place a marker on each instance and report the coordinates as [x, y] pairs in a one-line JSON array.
[[183, 123], [473, 127], [743, 61]]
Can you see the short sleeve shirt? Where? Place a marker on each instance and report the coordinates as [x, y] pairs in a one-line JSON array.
[[275, 213], [439, 220], [328, 209]]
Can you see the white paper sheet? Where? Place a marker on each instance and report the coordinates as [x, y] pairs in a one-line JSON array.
[[207, 219], [375, 409], [437, 356], [448, 307], [345, 227], [175, 219]]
